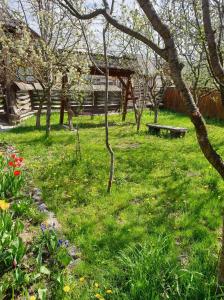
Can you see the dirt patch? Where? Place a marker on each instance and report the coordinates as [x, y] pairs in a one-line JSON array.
[[28, 233]]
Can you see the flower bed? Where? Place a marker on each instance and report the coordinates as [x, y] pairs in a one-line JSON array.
[[32, 258]]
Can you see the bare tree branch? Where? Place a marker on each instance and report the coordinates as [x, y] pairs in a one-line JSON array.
[[104, 12]]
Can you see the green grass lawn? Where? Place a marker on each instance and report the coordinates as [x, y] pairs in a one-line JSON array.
[[156, 235]]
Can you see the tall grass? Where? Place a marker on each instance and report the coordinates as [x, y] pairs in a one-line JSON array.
[[153, 271]]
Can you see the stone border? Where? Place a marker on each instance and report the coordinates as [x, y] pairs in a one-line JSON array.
[[52, 222]]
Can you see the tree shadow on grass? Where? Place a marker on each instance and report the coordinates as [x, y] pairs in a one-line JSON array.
[[31, 128], [56, 127], [94, 125], [214, 122]]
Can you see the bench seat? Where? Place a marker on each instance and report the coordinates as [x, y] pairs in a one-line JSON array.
[[175, 132]]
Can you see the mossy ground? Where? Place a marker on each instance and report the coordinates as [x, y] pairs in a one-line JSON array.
[[163, 190]]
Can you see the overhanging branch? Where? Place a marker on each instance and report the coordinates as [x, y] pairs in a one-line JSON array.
[[104, 12]]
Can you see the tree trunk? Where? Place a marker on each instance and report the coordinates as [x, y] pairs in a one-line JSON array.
[[221, 87], [48, 116], [124, 112], [38, 116], [156, 112], [63, 97], [138, 123], [109, 148], [41, 102], [135, 111], [198, 121], [126, 98], [62, 109], [70, 114]]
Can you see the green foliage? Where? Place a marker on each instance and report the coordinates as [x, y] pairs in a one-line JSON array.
[[49, 247], [12, 248]]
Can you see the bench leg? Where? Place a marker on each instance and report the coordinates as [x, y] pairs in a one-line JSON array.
[[154, 131], [175, 134]]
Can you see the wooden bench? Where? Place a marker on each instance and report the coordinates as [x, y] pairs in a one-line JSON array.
[[175, 132]]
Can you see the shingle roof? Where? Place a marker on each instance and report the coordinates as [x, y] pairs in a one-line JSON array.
[[116, 64]]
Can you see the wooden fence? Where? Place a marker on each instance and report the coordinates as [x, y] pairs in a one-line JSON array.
[[209, 104]]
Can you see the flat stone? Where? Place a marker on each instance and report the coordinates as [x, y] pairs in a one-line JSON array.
[[74, 263], [37, 198], [74, 252], [52, 221], [42, 207], [37, 191]]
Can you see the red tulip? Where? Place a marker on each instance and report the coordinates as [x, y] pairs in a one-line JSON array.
[[11, 164], [13, 156], [17, 172]]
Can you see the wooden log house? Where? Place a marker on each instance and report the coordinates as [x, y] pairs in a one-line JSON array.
[[20, 99]]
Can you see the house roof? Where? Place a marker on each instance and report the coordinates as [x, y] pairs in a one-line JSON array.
[[24, 86], [119, 66]]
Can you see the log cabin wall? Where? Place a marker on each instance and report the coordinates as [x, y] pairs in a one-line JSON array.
[[90, 103], [23, 103], [22, 106], [3, 108]]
